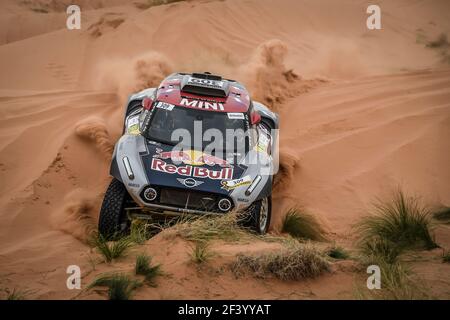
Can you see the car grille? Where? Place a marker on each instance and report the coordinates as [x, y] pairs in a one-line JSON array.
[[195, 200]]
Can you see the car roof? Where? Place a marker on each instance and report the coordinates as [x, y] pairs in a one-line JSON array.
[[204, 91]]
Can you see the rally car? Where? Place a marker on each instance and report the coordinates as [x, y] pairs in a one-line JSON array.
[[163, 164]]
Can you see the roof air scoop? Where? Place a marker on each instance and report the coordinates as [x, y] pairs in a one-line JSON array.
[[205, 84]]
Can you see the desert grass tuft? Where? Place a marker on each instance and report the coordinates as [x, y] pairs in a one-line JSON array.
[[144, 267], [398, 224], [442, 215], [291, 263], [380, 249], [111, 250], [120, 286], [396, 283], [201, 252], [395, 226], [338, 253], [140, 231], [300, 224]]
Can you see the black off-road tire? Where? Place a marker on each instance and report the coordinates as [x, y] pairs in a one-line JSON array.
[[113, 222], [251, 218]]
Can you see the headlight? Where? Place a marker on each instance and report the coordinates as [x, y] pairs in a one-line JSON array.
[[150, 194], [224, 204], [253, 185], [128, 169]]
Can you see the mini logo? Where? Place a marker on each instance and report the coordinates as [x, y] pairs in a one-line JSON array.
[[218, 106], [189, 182]]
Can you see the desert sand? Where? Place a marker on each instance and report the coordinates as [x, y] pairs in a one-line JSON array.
[[362, 112]]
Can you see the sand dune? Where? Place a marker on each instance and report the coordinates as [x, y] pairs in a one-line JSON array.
[[361, 113]]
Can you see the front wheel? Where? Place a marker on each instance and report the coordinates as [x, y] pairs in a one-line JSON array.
[[258, 215], [113, 221]]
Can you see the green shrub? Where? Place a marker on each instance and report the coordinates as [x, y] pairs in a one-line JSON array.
[[200, 252], [401, 222], [337, 253], [144, 267], [111, 250], [120, 286], [300, 224]]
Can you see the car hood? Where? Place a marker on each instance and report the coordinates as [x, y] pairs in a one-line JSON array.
[[189, 169]]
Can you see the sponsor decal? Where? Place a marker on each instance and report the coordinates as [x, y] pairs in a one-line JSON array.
[[233, 184], [205, 83], [134, 185], [147, 115], [191, 157], [191, 171], [189, 182], [235, 115], [133, 121], [207, 105], [263, 141], [165, 106], [133, 125], [134, 129]]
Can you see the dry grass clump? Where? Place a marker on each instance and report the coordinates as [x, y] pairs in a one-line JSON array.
[[203, 229], [291, 263]]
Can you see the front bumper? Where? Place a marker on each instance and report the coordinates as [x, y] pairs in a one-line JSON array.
[[167, 210]]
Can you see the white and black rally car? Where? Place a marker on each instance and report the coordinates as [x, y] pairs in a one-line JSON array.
[[197, 144]]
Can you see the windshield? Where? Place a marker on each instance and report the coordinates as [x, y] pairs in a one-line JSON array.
[[194, 128]]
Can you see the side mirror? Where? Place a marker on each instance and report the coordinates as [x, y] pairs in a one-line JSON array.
[[147, 103], [255, 118]]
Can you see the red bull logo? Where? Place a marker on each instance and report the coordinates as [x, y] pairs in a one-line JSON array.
[[191, 157], [191, 171]]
